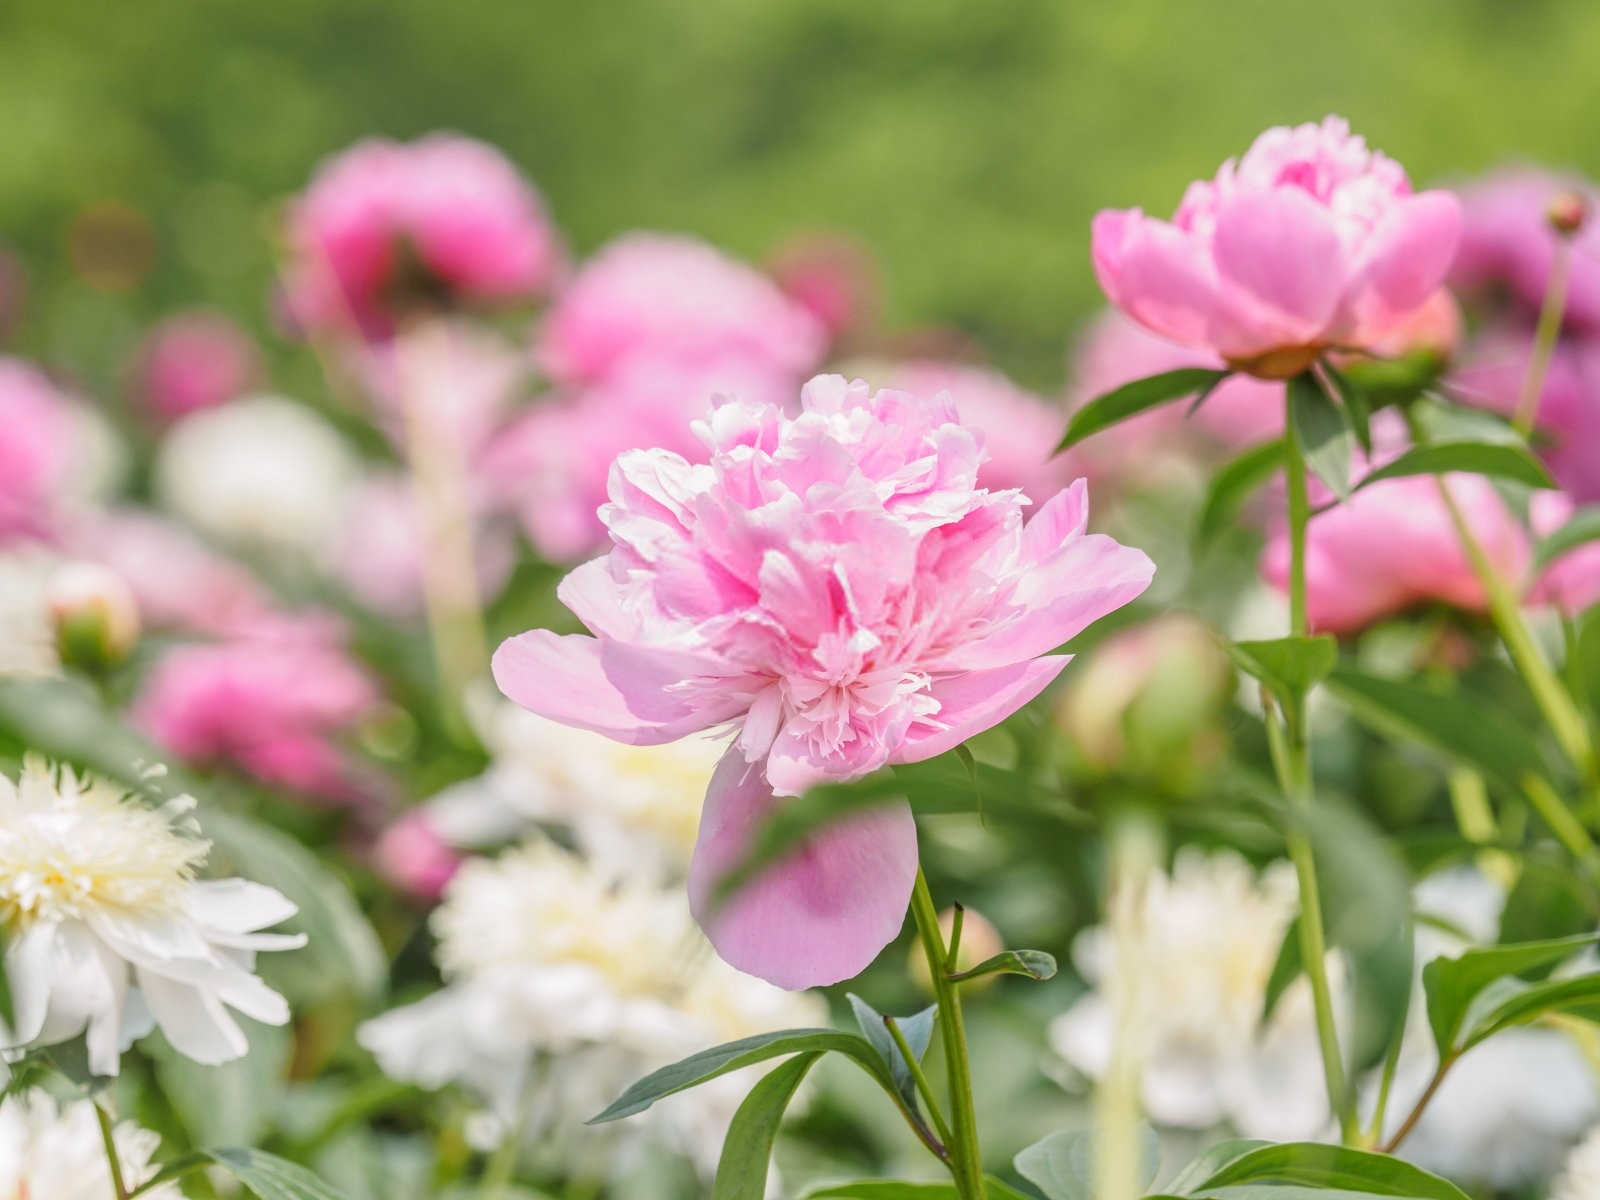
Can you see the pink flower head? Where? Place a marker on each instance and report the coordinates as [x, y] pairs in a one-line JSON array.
[[673, 299], [271, 703], [192, 361], [1311, 241], [551, 465], [838, 588], [1020, 431], [1393, 546], [1507, 242], [833, 276], [412, 856], [36, 439], [384, 221], [1572, 582]]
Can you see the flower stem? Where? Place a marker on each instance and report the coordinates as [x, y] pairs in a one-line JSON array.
[[113, 1162], [920, 1078], [1544, 339], [1415, 1114], [966, 1165]]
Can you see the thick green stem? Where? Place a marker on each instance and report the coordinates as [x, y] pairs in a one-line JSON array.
[[966, 1164], [113, 1162], [1544, 339]]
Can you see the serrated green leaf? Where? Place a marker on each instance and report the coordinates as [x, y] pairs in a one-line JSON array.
[[1232, 484], [917, 1029], [1061, 1165], [1132, 398], [1323, 430], [1495, 460], [1035, 964], [747, 1150], [1453, 984], [730, 1056], [1581, 528], [1318, 1165]]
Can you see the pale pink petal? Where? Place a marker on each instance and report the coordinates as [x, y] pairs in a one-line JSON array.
[[1283, 249], [1155, 273], [974, 701], [1411, 251]]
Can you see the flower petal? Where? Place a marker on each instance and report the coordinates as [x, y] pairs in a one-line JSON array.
[[1282, 248], [974, 701], [1156, 273], [193, 1020], [1409, 254]]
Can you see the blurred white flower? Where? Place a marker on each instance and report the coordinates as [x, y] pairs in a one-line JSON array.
[[108, 933], [51, 1153], [1580, 1178], [27, 634], [1211, 933], [263, 471]]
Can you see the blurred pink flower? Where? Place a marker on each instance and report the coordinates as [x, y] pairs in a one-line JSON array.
[[838, 587], [833, 277], [384, 223], [673, 299], [1569, 405], [36, 439], [1393, 546], [1019, 429], [411, 855], [271, 703], [1507, 242], [550, 465], [1572, 582], [1309, 242], [192, 361]]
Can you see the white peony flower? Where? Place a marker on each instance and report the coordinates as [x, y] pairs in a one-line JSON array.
[[1211, 933], [51, 1153], [1580, 1178], [263, 471], [108, 932]]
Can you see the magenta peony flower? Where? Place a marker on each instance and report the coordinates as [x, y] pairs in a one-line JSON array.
[[36, 440], [1392, 546], [550, 466], [444, 217], [1507, 242], [673, 299], [271, 703], [192, 361], [1572, 582], [1309, 242], [839, 588]]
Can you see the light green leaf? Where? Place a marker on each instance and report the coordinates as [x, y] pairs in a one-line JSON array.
[[267, 1176], [917, 1030], [1355, 403], [1232, 484], [231, 1104], [1210, 1161], [895, 1189], [1323, 431], [1035, 964], [1523, 1002], [1290, 666], [1132, 398], [1581, 528], [1452, 984], [747, 1150], [1061, 1165], [1498, 461], [1317, 1165]]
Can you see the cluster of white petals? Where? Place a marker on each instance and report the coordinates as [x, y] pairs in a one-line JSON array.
[[51, 1152]]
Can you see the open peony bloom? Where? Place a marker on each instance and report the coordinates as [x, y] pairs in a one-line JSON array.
[[1309, 242], [54, 1150], [838, 588], [673, 299], [108, 932], [386, 224]]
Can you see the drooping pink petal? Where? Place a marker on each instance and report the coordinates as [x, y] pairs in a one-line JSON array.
[[975, 701]]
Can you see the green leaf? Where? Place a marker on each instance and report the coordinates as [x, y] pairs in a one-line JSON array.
[[267, 1176], [1317, 1165], [1468, 730], [1498, 461], [1582, 527], [917, 1030], [730, 1056], [1323, 431], [1290, 666], [1061, 1165], [894, 1189], [1548, 900], [1210, 1161], [1286, 968], [1355, 403], [1518, 1003], [1232, 485], [1132, 398], [234, 1103], [1583, 661], [1453, 984], [1035, 964], [342, 954], [747, 1150]]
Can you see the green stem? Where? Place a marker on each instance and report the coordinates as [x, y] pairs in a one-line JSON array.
[[1544, 339], [1391, 1063], [1568, 829], [1415, 1114], [113, 1162], [966, 1165], [920, 1078], [1299, 517]]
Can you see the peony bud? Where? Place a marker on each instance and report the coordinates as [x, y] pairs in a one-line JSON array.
[[413, 857], [94, 614], [980, 940], [1566, 212]]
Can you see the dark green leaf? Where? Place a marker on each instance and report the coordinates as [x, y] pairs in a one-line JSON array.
[[1522, 1002], [1548, 901], [747, 1150], [1290, 666], [1133, 398], [269, 1177], [917, 1029], [1498, 461], [1061, 1165], [1210, 1161], [1583, 660], [719, 1060], [1286, 968], [1317, 1165], [1232, 485], [1035, 964], [1356, 405], [1323, 431], [1582, 527], [1452, 984]]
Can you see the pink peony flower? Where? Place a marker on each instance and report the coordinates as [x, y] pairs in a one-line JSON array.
[[550, 466], [1507, 242], [673, 299], [1572, 582], [36, 440], [834, 277], [1392, 546], [272, 703], [838, 588], [192, 361], [1020, 431], [386, 222], [413, 857], [1309, 242]]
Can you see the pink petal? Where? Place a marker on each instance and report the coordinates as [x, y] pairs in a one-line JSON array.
[[1282, 248], [1065, 515], [1155, 273], [820, 915], [974, 701], [1412, 250]]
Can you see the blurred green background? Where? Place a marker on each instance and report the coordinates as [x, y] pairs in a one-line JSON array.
[[968, 143]]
